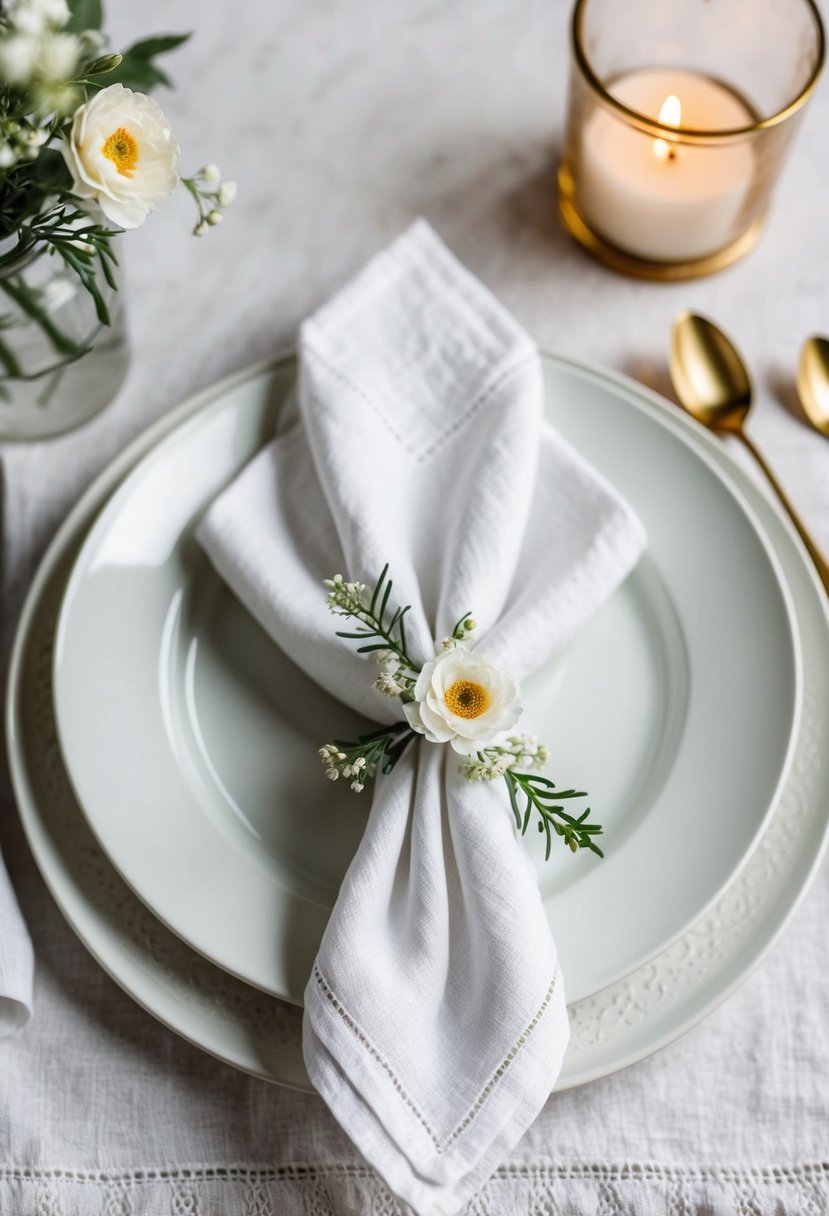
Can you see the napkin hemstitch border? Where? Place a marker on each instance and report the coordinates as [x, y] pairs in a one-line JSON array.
[[521, 361], [498, 1073]]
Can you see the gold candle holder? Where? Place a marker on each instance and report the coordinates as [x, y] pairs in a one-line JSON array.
[[681, 113]]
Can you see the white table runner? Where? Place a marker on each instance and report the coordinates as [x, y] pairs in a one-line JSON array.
[[104, 1112]]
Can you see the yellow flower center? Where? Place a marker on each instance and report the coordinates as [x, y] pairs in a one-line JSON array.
[[122, 149], [466, 699]]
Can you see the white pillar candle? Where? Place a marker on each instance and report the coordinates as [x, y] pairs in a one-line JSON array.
[[659, 199]]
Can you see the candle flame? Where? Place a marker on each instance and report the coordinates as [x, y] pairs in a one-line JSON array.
[[671, 116]]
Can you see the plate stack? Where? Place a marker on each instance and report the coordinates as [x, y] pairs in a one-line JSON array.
[[160, 741]]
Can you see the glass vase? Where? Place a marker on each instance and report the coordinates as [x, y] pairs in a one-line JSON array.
[[59, 364]]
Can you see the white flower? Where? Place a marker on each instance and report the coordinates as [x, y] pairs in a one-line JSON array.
[[463, 699], [36, 137], [387, 684], [32, 16], [227, 194], [345, 599], [515, 752], [17, 58], [32, 50], [57, 57], [210, 173], [122, 153], [488, 769], [387, 660]]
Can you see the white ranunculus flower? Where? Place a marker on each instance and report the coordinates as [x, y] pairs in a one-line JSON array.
[[18, 55], [122, 153], [33, 16], [463, 699], [57, 57]]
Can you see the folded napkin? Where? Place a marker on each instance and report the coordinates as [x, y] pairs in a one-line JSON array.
[[435, 1017], [16, 961]]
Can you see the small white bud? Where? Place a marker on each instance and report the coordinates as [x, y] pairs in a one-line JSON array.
[[227, 194], [210, 173]]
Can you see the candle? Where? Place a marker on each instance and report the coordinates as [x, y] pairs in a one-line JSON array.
[[660, 199]]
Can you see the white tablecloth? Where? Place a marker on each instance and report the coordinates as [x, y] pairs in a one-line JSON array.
[[342, 122]]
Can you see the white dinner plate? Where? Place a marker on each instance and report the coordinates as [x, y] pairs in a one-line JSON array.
[[191, 739], [261, 1034]]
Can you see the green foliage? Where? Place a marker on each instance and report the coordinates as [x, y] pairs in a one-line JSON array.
[[37, 205], [359, 759], [540, 795], [50, 171], [137, 70], [85, 15], [381, 627]]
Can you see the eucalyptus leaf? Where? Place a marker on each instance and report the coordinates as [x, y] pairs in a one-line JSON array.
[[138, 74], [85, 15], [138, 71], [50, 169], [160, 44]]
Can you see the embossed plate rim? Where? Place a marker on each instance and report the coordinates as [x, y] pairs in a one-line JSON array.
[[148, 982]]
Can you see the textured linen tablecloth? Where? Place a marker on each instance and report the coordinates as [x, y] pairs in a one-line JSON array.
[[341, 125]]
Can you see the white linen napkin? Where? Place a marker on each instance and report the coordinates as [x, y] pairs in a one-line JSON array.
[[16, 961], [435, 1017]]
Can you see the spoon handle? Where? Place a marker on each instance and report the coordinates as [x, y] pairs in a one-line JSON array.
[[821, 565]]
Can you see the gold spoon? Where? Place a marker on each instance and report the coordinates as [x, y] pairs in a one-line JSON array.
[[813, 382], [712, 384]]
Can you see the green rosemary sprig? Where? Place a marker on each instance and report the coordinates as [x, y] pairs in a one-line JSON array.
[[382, 628], [359, 760], [83, 246], [541, 795]]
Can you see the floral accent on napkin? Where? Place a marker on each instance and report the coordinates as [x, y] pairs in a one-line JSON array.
[[461, 698]]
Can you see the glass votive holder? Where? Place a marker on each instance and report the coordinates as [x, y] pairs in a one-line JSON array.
[[681, 113]]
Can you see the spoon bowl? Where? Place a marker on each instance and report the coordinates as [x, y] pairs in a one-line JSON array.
[[813, 382], [712, 384], [708, 374]]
